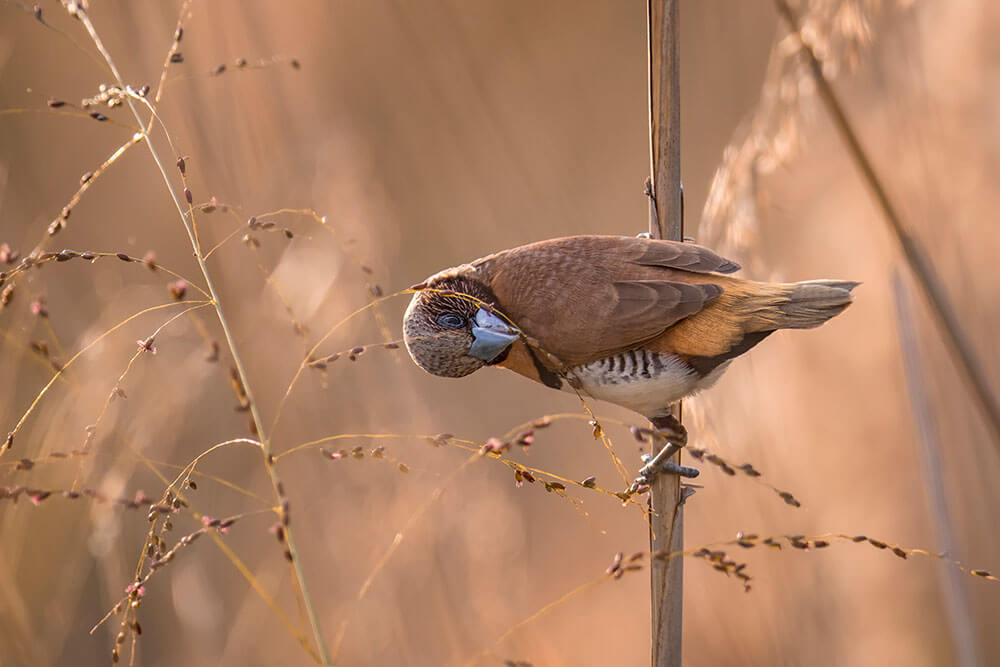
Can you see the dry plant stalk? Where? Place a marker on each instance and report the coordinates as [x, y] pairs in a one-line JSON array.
[[929, 448], [292, 553], [720, 560], [666, 526]]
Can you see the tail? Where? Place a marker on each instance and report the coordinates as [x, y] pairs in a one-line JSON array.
[[801, 305]]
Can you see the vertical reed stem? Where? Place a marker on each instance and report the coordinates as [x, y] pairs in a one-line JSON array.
[[666, 527], [929, 451]]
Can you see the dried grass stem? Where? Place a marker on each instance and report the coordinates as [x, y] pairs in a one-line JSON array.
[[230, 340]]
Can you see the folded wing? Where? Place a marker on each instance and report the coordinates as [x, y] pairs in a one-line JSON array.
[[584, 298]]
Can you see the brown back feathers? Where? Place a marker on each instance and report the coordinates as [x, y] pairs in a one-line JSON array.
[[583, 299]]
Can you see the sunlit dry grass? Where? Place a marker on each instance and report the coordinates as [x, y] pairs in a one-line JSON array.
[[328, 156]]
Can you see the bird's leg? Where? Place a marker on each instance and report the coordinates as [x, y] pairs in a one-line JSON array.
[[673, 432], [672, 429]]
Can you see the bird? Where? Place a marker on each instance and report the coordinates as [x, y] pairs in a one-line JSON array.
[[638, 322]]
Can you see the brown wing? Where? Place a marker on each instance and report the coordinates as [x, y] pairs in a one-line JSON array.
[[584, 298], [674, 255]]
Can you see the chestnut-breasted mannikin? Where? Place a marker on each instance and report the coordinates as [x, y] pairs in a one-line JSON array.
[[637, 322]]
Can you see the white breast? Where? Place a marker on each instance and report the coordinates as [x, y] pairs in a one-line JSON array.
[[643, 381]]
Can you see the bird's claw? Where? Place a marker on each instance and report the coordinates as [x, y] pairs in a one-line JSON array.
[[672, 468], [658, 466], [661, 465]]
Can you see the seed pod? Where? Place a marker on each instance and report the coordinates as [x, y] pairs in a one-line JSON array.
[[789, 499], [177, 289]]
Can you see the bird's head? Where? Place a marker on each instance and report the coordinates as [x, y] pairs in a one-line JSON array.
[[451, 328]]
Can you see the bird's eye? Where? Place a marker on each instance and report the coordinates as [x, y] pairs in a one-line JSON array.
[[451, 321]]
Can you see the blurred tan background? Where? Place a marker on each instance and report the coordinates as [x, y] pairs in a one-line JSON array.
[[430, 134]]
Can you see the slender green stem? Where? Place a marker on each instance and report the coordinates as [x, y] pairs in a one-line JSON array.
[[223, 322]]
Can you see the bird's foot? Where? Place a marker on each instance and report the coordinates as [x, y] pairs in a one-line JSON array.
[[670, 430], [661, 464], [654, 469]]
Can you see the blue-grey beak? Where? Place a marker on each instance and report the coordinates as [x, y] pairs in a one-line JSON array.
[[492, 336]]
